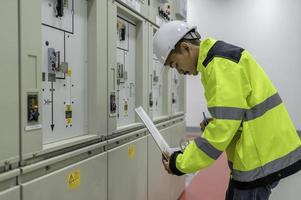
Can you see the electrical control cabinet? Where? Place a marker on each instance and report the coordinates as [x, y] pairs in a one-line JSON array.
[[63, 71], [177, 92], [9, 85], [76, 70], [127, 66], [158, 83]]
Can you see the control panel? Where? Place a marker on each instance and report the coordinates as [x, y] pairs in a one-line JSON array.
[[64, 69], [126, 67]]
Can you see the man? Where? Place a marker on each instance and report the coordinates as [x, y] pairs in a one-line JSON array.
[[250, 122]]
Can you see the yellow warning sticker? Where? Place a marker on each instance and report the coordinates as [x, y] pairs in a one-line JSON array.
[[69, 72], [73, 180], [69, 120], [131, 151]]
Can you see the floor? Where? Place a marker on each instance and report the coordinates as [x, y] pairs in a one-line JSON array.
[[210, 183]]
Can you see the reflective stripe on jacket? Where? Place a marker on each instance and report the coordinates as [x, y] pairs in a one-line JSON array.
[[250, 121]]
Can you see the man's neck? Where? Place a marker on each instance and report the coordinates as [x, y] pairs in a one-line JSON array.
[[196, 50]]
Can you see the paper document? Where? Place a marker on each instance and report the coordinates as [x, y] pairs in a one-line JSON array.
[[161, 142]]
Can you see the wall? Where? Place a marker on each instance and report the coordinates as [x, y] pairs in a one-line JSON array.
[[269, 29]]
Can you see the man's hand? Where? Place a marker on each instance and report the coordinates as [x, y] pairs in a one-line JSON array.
[[204, 123], [165, 161]]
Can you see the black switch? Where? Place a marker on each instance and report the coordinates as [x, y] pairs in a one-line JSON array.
[[151, 102], [59, 8], [112, 103], [122, 34]]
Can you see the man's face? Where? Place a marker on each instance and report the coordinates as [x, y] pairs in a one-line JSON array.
[[183, 60]]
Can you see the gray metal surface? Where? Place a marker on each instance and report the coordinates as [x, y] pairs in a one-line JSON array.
[[177, 184], [159, 91], [58, 185], [30, 62], [127, 171], [159, 180], [288, 188], [11, 194], [8, 181], [97, 70], [9, 101], [139, 6]]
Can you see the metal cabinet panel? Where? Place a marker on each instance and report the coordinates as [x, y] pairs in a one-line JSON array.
[[288, 188], [30, 73], [158, 84], [139, 6], [177, 92], [127, 85], [84, 180], [158, 179], [127, 171], [9, 101], [11, 194], [177, 185]]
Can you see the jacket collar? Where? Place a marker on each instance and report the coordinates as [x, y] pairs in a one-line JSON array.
[[205, 46]]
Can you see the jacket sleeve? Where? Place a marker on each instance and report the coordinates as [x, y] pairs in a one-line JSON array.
[[226, 92]]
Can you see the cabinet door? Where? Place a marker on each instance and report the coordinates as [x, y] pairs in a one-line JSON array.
[[127, 171], [177, 182], [159, 180]]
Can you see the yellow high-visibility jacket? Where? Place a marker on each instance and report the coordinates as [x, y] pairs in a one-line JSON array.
[[250, 121]]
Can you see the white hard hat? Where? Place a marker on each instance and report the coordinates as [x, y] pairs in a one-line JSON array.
[[169, 35]]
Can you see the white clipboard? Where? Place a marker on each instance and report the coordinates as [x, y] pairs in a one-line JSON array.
[[161, 142]]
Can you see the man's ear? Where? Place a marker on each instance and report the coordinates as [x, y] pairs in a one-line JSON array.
[[185, 47]]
